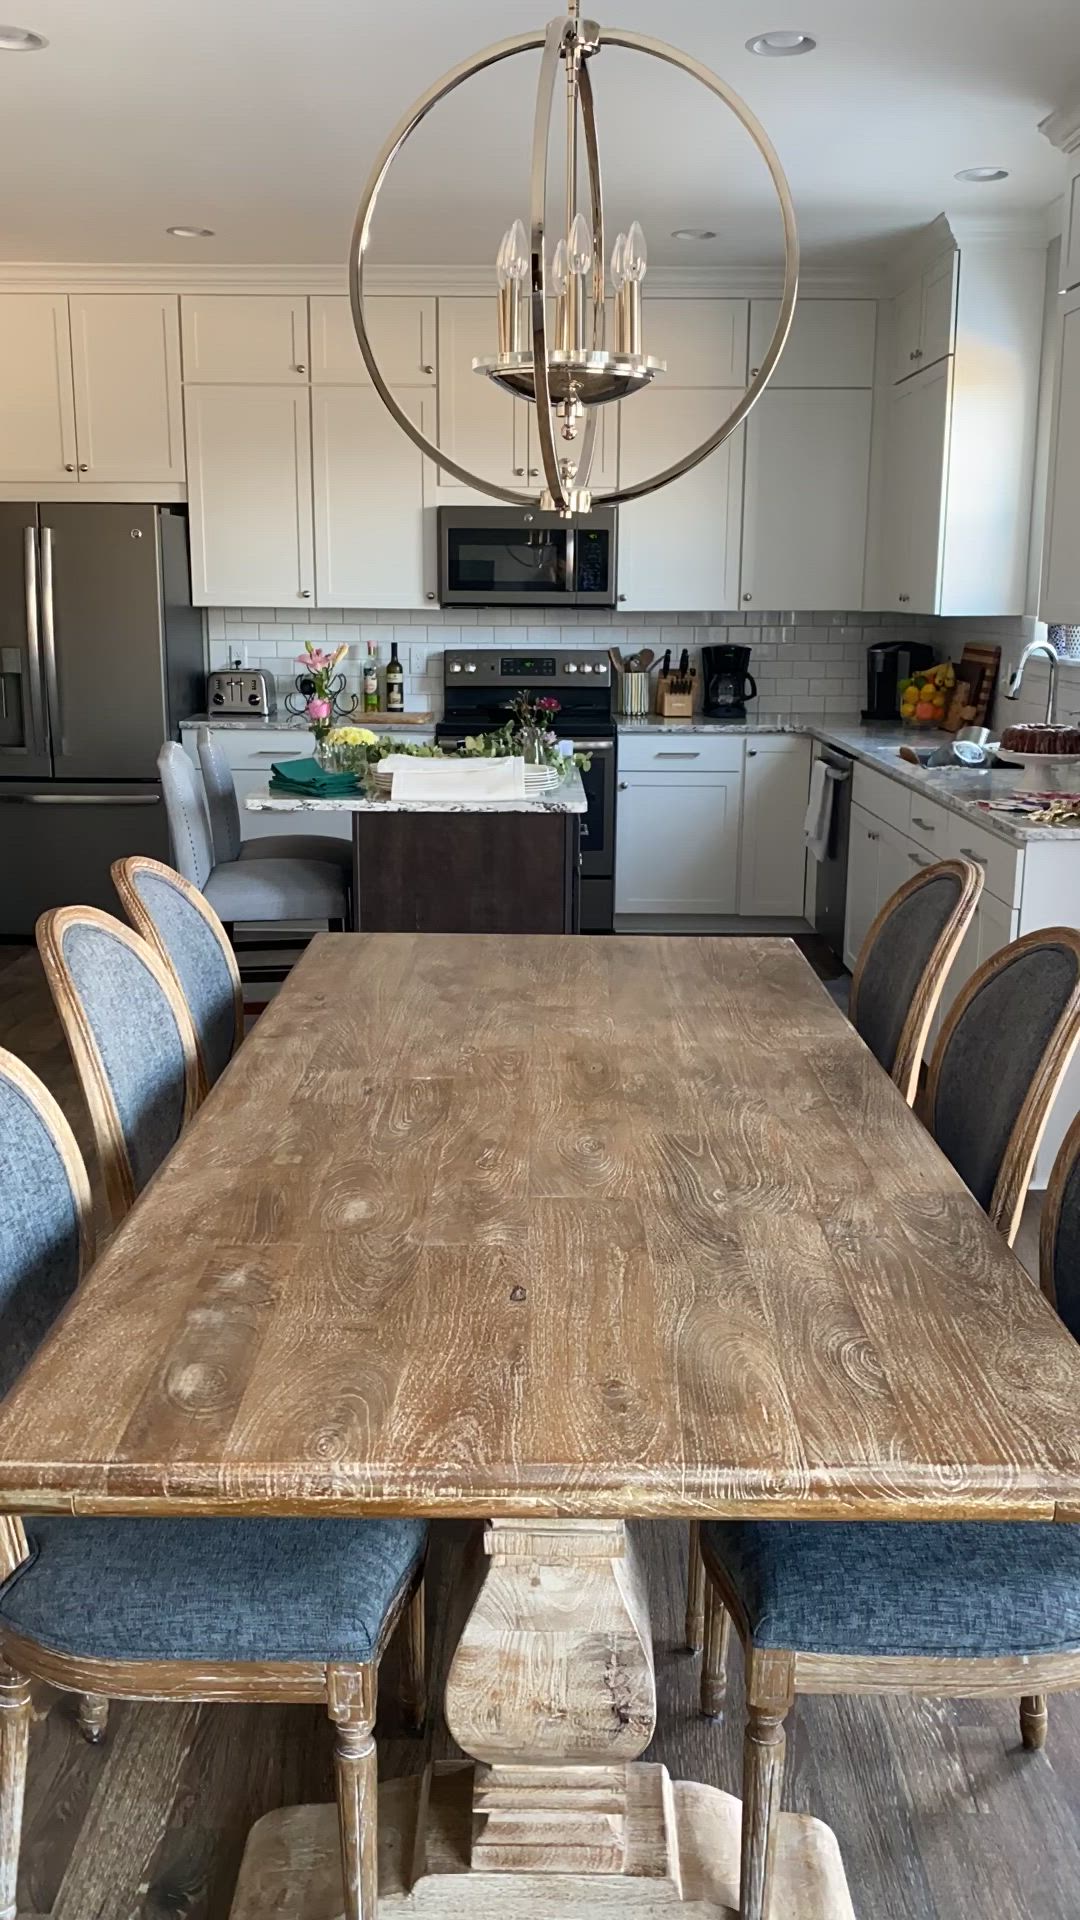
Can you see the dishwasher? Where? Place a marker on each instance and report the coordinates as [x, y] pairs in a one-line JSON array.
[[831, 897]]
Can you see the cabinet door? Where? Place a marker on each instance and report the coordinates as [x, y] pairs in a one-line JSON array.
[[677, 843], [938, 324], [244, 336], [804, 511], [864, 846], [993, 925], [772, 870], [1061, 578], [249, 496], [703, 341], [479, 426], [369, 499], [831, 343], [37, 441], [898, 859], [402, 332], [679, 548], [1070, 262], [907, 329], [125, 352], [917, 456]]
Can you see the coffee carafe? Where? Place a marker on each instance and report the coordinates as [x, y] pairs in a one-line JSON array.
[[729, 684]]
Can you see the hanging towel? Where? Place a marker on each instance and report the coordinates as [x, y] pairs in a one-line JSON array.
[[819, 811], [456, 782]]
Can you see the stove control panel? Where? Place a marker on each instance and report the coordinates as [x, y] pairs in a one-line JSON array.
[[491, 667]]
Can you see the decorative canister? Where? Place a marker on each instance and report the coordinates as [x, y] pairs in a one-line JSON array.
[[1065, 642], [632, 693]]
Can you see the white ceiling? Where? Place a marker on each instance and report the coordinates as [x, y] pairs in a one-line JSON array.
[[260, 118]]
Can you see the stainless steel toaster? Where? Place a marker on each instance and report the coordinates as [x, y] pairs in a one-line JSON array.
[[252, 691]]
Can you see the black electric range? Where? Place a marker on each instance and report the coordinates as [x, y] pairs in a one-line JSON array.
[[478, 687]]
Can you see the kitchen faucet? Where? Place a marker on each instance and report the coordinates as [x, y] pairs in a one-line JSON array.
[[1012, 691]]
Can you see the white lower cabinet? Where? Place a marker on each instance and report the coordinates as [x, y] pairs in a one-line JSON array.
[[864, 853], [677, 843], [772, 868]]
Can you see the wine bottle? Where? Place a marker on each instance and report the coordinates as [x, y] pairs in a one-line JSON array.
[[371, 682], [395, 682]]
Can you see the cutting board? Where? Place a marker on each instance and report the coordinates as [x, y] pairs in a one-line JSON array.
[[979, 666], [380, 719]]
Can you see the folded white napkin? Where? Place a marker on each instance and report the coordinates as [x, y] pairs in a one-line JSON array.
[[458, 781]]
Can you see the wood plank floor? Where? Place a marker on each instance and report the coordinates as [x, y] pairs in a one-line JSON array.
[[939, 1813]]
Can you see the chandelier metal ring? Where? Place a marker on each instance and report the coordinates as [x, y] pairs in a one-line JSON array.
[[551, 42]]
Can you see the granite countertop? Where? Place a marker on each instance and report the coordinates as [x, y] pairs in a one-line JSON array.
[[569, 798], [960, 790], [297, 723]]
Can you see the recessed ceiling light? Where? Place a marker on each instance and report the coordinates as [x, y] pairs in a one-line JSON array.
[[693, 233], [21, 40], [784, 44], [983, 173], [191, 233]]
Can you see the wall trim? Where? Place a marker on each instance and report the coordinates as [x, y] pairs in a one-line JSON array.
[[1062, 128]]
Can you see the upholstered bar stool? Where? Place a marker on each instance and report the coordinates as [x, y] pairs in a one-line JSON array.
[[189, 1609], [227, 833]]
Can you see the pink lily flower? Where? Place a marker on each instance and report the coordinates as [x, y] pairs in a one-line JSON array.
[[318, 709]]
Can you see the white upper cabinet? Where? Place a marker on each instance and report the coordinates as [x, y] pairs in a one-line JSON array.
[[37, 406], [679, 548], [370, 527], [125, 351], [772, 865], [401, 330], [480, 426], [233, 337], [918, 446], [1061, 576], [249, 491], [703, 341], [831, 343], [1070, 245], [804, 509], [924, 317]]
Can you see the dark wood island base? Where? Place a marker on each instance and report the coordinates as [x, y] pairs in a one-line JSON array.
[[490, 872]]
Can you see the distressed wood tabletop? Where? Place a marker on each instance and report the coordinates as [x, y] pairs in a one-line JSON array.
[[553, 1226]]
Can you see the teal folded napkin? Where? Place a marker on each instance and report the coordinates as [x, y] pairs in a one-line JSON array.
[[307, 777]]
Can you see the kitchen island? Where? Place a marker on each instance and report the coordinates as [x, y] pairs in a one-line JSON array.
[[431, 866]]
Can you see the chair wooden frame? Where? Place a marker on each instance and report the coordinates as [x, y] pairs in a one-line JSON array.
[[124, 877], [1067, 1155], [1018, 1160], [349, 1692], [109, 1139], [924, 1002]]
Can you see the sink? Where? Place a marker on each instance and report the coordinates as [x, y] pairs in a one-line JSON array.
[[923, 755]]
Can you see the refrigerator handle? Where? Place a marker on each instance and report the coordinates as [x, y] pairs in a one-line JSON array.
[[33, 644], [48, 635]]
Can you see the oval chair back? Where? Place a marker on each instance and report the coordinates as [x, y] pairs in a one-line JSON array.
[[904, 962], [184, 931], [131, 1039], [1059, 1233], [998, 1064], [189, 821], [221, 802]]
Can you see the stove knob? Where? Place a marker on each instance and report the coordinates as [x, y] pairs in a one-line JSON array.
[[455, 666], [571, 666], [586, 668], [470, 666]]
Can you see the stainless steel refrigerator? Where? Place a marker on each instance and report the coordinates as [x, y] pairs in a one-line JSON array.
[[101, 656]]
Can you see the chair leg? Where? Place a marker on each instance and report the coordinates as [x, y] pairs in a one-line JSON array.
[[351, 1704], [770, 1690], [414, 1662], [92, 1717], [714, 1665], [14, 1742], [1034, 1715], [695, 1592]]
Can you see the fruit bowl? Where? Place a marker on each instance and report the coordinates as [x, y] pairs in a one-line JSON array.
[[925, 696]]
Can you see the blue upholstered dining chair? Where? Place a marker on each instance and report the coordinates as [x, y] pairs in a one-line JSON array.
[[271, 888], [225, 829], [945, 1608], [181, 927], [200, 1609]]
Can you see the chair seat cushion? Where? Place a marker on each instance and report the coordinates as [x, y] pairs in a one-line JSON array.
[[300, 846], [277, 889], [211, 1589], [952, 1591]]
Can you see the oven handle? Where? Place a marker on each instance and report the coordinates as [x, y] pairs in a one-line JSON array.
[[593, 746]]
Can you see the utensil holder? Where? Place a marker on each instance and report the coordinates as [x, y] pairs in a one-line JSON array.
[[632, 694]]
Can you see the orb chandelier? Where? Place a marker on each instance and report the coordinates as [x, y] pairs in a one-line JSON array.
[[563, 362]]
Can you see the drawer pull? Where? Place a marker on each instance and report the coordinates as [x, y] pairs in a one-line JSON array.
[[670, 754], [873, 836], [969, 853], [924, 824], [917, 860]]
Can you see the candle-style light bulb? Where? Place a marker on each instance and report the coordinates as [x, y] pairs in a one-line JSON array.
[[503, 295], [580, 246], [560, 280], [517, 252], [501, 274], [635, 261], [636, 256], [618, 262]]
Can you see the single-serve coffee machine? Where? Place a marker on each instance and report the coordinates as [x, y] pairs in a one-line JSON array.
[[728, 682]]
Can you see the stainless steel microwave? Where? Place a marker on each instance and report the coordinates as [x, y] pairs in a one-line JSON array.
[[523, 557]]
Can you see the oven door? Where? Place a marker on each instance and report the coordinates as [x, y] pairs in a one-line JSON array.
[[521, 556]]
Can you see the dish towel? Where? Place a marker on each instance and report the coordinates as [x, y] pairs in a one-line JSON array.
[[819, 811], [453, 782], [307, 777]]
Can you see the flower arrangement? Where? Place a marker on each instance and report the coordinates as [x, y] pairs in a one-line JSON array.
[[348, 749], [320, 668]]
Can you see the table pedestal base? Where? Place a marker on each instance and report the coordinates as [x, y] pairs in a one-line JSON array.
[[684, 1863]]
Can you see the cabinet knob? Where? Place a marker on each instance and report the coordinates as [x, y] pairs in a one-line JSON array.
[[300, 367], [917, 355], [871, 836], [534, 473], [305, 593], [623, 784], [754, 371], [430, 594], [748, 596], [69, 466], [912, 356], [751, 753], [904, 598], [425, 368], [84, 466], [520, 471], [622, 596]]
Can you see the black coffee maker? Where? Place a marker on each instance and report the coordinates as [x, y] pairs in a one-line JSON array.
[[729, 684]]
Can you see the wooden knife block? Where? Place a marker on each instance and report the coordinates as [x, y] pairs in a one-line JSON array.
[[670, 705]]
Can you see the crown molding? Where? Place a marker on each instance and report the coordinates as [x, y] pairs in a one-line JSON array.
[[1062, 128], [733, 281], [953, 232]]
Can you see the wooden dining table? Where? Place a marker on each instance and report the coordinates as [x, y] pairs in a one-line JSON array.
[[556, 1234]]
